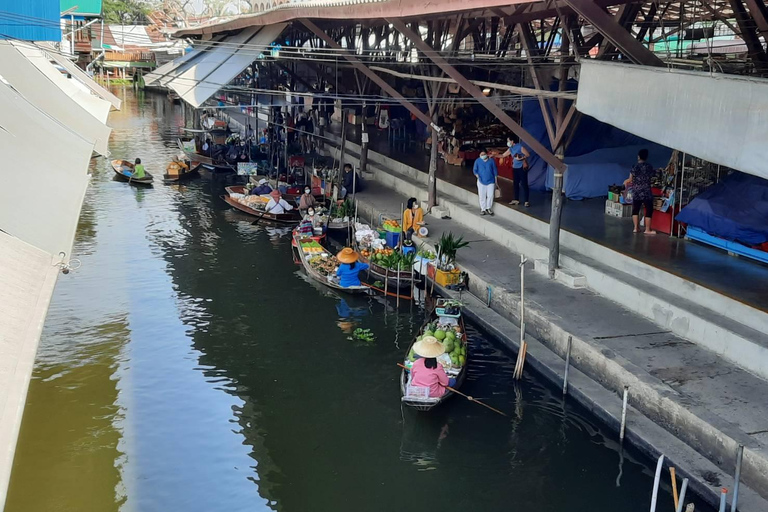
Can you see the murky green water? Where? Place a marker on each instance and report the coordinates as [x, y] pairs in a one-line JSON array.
[[189, 366]]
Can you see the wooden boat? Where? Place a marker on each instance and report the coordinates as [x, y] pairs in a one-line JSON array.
[[339, 226], [291, 217], [317, 276], [124, 170], [427, 403], [403, 278], [211, 164], [181, 171]]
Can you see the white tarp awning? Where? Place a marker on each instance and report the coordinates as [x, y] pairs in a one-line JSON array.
[[38, 89], [27, 279], [94, 105], [161, 75], [44, 174], [198, 79], [74, 70], [720, 118]]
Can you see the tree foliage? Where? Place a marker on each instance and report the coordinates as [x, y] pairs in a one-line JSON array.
[[127, 12]]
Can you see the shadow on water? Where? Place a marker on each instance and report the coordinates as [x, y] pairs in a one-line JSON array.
[[193, 367]]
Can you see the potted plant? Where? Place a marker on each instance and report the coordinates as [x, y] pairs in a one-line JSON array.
[[446, 271]]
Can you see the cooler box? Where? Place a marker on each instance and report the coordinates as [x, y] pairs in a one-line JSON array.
[[392, 238]]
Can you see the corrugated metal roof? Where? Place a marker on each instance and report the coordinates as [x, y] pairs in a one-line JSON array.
[[345, 10], [14, 22]]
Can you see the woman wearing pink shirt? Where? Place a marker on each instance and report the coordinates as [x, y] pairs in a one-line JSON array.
[[426, 371]]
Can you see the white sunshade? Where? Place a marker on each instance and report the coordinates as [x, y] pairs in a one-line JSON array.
[[36, 87], [44, 174], [74, 70], [163, 73], [199, 79], [717, 117], [95, 106]]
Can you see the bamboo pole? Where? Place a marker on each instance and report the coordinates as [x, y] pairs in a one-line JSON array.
[[398, 285], [567, 365], [673, 478], [624, 414], [656, 481]]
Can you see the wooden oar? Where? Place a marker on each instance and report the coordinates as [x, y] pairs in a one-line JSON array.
[[471, 399]]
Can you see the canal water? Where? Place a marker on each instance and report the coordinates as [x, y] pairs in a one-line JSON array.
[[188, 365]]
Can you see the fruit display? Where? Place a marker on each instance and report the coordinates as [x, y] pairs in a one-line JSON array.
[[451, 337], [310, 246], [324, 264], [391, 225], [255, 202]]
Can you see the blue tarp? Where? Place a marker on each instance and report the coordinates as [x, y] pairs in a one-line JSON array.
[[590, 175], [735, 209], [599, 154]]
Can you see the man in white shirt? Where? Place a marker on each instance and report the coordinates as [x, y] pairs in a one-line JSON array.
[[277, 204]]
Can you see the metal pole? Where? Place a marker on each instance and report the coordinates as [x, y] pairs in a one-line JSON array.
[[402, 219], [681, 500], [522, 299], [656, 481], [364, 141], [736, 478], [554, 222], [624, 413], [676, 202], [397, 302], [682, 181], [723, 495], [386, 283], [567, 365]]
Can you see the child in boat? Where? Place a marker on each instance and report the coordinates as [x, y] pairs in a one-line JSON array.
[[349, 268], [426, 371], [138, 170]]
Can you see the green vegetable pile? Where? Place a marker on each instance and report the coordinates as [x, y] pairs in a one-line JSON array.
[[364, 335], [395, 260]]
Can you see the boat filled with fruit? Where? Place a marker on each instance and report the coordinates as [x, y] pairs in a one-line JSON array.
[[447, 325], [320, 264]]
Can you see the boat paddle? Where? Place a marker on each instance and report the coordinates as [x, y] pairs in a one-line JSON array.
[[471, 399]]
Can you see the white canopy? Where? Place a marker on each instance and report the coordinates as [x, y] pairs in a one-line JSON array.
[[37, 88], [74, 70], [717, 117], [44, 174], [198, 78], [94, 105], [161, 75]]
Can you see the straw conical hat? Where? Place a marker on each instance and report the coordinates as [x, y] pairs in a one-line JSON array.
[[429, 346], [347, 255]]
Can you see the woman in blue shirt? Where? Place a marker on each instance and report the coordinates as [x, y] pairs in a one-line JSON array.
[[349, 268]]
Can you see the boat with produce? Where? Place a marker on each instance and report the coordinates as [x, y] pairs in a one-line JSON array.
[[321, 265], [340, 215], [255, 205], [180, 171], [213, 165], [391, 265], [124, 170], [447, 325]]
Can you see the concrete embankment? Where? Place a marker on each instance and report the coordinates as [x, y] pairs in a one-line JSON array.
[[687, 402]]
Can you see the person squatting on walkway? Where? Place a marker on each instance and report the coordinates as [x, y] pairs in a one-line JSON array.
[[640, 180], [486, 173]]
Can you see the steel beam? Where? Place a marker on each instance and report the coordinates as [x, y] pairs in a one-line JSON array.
[[370, 74], [527, 40], [758, 11], [614, 32], [476, 93]]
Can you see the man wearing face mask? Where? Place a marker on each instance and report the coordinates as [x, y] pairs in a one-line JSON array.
[[486, 173], [520, 169]]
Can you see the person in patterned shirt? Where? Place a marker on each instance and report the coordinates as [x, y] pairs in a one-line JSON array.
[[640, 180]]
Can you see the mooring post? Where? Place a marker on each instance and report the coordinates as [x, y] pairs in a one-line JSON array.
[[624, 413], [567, 365], [737, 477]]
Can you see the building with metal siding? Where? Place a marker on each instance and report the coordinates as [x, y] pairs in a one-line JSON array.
[[31, 21]]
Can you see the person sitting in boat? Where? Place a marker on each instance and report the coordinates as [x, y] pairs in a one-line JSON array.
[[413, 218], [307, 200], [426, 371], [138, 170], [277, 204], [262, 189], [349, 268]]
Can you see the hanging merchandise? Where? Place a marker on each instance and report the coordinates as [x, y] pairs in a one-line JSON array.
[[382, 120]]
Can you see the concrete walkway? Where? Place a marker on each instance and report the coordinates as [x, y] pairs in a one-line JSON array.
[[707, 402]]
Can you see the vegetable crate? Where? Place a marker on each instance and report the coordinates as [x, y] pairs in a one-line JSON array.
[[443, 277]]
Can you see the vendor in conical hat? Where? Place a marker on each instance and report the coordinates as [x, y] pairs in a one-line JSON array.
[[277, 204], [349, 268], [426, 371]]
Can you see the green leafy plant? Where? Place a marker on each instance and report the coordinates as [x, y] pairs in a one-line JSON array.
[[447, 248], [364, 335], [346, 209]]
